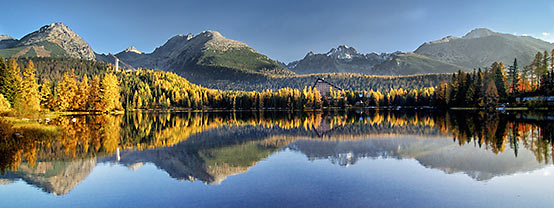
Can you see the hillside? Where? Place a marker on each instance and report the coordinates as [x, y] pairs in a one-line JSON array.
[[206, 56], [480, 47], [411, 63]]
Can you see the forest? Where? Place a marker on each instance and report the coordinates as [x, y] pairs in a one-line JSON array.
[[99, 88], [85, 86], [500, 85]]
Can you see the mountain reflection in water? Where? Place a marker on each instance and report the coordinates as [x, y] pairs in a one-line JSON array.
[[212, 146]]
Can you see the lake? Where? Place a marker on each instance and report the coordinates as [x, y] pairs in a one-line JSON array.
[[358, 158]]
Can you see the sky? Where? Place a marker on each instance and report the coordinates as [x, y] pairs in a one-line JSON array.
[[283, 30]]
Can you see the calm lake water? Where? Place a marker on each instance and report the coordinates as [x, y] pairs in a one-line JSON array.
[[277, 159]]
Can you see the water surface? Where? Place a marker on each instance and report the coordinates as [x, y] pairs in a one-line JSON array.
[[282, 159]]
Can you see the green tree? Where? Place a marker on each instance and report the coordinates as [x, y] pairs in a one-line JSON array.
[[10, 79], [491, 94], [513, 78], [498, 70]]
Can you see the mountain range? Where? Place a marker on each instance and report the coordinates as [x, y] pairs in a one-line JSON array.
[[211, 56], [478, 48]]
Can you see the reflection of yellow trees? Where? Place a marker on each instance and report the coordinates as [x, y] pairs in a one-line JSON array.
[[18, 143], [111, 130], [89, 136]]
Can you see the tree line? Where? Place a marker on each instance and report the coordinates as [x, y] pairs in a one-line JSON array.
[[104, 90], [499, 84], [20, 91]]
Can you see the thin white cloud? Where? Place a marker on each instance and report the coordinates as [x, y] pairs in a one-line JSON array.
[[545, 34]]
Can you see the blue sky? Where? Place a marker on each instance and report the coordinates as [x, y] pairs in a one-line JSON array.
[[283, 30]]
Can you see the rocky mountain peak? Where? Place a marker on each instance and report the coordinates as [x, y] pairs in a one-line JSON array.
[[6, 37], [63, 36], [133, 50], [343, 52], [479, 33], [214, 40]]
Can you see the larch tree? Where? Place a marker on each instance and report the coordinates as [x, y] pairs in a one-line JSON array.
[[45, 94], [93, 101], [28, 98], [110, 93], [5, 105], [65, 92], [81, 94]]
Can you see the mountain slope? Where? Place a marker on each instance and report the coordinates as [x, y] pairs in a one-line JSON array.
[[411, 63], [54, 40], [344, 59], [481, 47], [206, 56]]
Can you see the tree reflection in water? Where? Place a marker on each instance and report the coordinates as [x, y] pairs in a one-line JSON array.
[[211, 146]]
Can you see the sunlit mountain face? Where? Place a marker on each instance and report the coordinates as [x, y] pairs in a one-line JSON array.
[[216, 148]]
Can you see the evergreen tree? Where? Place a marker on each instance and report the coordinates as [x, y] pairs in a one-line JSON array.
[[497, 69], [471, 90], [10, 79], [537, 69], [479, 89], [491, 94], [513, 78]]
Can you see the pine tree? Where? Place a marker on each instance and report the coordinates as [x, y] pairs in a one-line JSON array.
[[513, 78], [10, 79], [479, 89], [491, 94], [471, 90], [497, 69], [537, 69]]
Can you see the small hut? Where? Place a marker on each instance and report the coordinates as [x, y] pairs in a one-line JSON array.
[[324, 87]]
